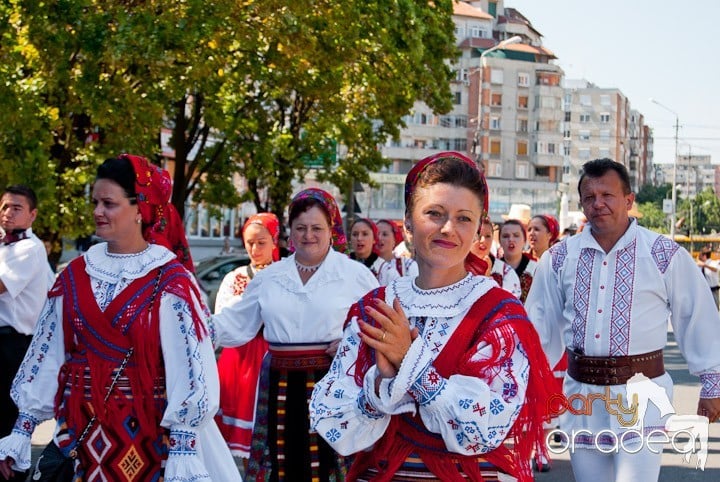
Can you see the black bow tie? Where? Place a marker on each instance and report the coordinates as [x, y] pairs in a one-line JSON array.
[[14, 236]]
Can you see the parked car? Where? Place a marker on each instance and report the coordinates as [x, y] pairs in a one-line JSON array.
[[211, 271]]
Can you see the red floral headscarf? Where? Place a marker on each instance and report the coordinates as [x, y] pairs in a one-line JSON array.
[[161, 222], [339, 240], [272, 224]]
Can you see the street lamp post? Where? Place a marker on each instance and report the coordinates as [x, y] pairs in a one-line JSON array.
[[478, 127], [674, 169]]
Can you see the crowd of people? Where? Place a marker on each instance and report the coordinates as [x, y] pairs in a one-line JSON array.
[[420, 350]]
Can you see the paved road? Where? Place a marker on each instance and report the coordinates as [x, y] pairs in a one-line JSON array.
[[673, 469]]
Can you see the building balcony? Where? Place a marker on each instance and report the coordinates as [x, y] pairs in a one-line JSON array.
[[547, 160]]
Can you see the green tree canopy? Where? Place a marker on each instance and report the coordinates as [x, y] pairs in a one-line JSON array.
[[254, 88]]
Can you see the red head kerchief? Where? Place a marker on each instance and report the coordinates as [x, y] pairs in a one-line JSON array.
[[412, 177], [272, 224], [161, 222], [397, 231], [338, 234], [552, 225]]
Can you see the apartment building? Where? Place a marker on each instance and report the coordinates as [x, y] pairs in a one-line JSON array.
[[694, 174], [507, 111], [598, 122]]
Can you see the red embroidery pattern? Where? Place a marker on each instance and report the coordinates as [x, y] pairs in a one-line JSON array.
[[525, 283], [240, 284]]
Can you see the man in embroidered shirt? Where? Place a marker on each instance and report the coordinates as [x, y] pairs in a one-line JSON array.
[[25, 278], [606, 296]]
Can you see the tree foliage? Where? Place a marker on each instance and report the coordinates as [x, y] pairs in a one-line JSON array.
[[653, 194], [701, 214], [653, 217], [255, 88]]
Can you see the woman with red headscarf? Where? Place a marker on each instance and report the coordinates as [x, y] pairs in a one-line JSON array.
[[435, 372], [542, 232], [497, 269], [394, 266], [364, 244], [121, 357], [299, 303], [239, 367]]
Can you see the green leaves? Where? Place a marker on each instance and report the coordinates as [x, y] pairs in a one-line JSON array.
[[250, 89]]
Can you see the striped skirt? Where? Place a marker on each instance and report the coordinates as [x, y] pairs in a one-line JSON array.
[[283, 447]]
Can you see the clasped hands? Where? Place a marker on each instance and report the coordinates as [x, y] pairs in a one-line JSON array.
[[391, 339]]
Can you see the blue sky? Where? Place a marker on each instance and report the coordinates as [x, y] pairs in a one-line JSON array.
[[665, 50]]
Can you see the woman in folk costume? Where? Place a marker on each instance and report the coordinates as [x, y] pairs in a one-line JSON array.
[[123, 337], [500, 271], [389, 236], [543, 231], [434, 373], [300, 302], [239, 368], [513, 238], [364, 244]]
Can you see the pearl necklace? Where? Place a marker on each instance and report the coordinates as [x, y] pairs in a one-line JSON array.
[[308, 269]]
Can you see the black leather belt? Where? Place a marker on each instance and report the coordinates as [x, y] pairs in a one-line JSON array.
[[613, 370]]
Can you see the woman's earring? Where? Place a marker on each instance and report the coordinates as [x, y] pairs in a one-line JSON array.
[[138, 221]]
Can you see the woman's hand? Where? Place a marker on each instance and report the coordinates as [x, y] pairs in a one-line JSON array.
[[332, 348], [6, 468], [391, 339]]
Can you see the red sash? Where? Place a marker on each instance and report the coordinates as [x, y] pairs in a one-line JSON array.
[[496, 311]]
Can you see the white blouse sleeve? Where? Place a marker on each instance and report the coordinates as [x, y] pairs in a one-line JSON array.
[[225, 291], [36, 383], [695, 321], [340, 411], [545, 305], [192, 386], [239, 320]]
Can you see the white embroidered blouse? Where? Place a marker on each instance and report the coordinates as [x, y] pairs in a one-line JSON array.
[[191, 373], [472, 415], [290, 312]]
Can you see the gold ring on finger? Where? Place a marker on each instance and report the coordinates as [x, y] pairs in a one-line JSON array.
[[383, 337]]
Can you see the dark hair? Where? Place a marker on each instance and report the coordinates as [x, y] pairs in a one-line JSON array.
[[25, 191], [514, 222], [449, 170], [120, 171], [599, 167], [303, 205]]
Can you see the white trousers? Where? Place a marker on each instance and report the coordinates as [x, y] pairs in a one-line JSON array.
[[591, 465]]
